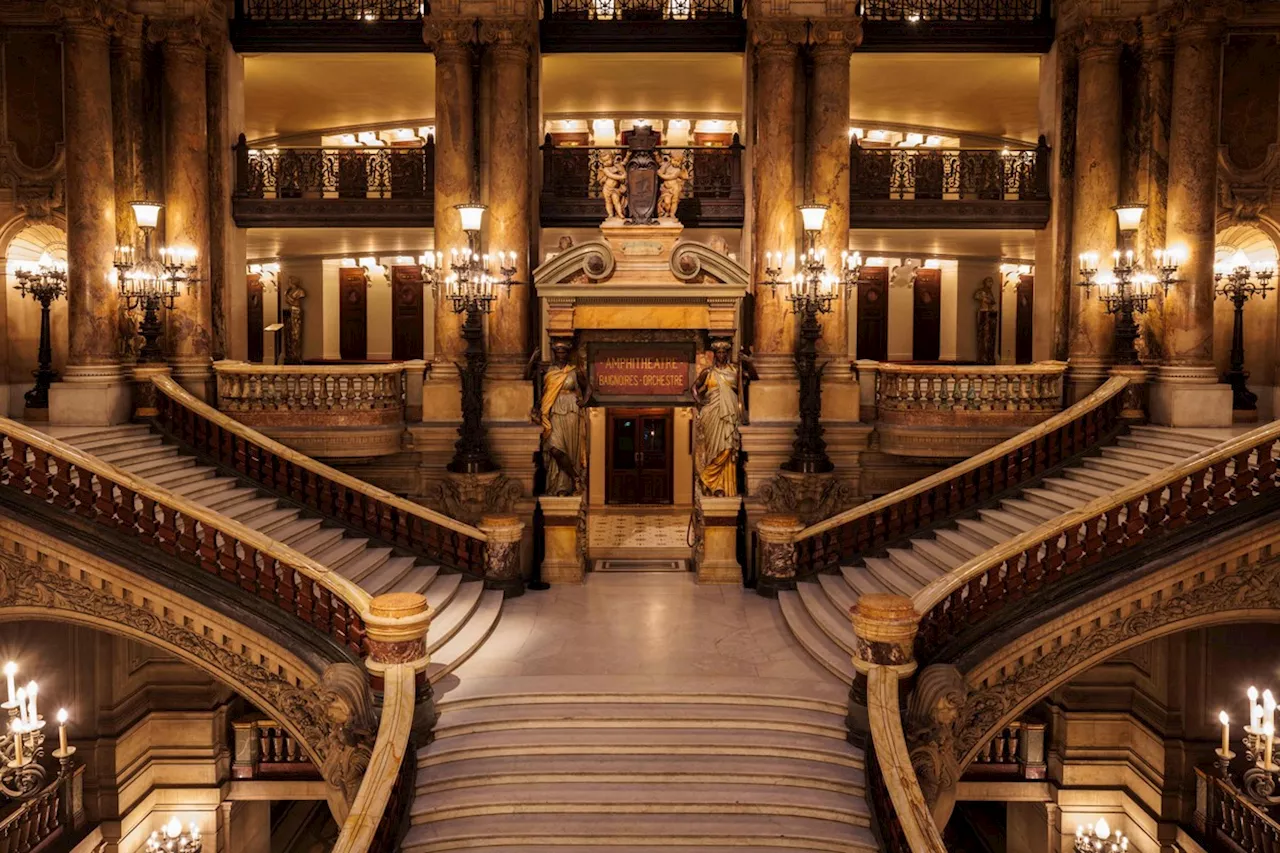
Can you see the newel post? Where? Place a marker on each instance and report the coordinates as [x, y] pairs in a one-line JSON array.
[[396, 628], [884, 627], [1133, 399], [776, 536], [502, 556]]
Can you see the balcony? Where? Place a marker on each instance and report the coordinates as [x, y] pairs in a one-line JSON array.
[[713, 196], [649, 26], [334, 187], [935, 188], [302, 26], [1009, 26]]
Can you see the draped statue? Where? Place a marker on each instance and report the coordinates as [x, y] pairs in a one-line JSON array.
[[719, 418], [561, 395]]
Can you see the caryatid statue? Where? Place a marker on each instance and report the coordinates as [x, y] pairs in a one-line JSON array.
[[561, 399], [717, 391]]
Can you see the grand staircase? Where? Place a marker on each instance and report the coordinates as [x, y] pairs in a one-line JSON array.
[[729, 765], [818, 610], [464, 613]]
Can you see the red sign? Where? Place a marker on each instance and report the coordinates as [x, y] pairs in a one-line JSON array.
[[641, 370]]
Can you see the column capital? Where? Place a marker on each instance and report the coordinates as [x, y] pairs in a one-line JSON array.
[[510, 39], [772, 37], [89, 18], [834, 38], [1103, 38], [128, 32], [1192, 20], [449, 35], [184, 35]]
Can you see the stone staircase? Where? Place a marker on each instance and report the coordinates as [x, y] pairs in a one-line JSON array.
[[691, 769], [463, 611], [818, 610]]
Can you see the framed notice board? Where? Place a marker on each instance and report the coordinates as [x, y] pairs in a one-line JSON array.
[[641, 374]]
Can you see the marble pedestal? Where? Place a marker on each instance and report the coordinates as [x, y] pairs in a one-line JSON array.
[[91, 397], [1182, 397], [718, 562], [562, 560]]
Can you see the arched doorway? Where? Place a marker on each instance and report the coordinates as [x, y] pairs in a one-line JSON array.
[[1237, 244], [19, 356]]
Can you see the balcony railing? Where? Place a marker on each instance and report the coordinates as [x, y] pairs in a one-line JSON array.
[[937, 188], [645, 25], [265, 749], [300, 187], [328, 25], [957, 25], [1017, 752], [713, 196], [1228, 821]]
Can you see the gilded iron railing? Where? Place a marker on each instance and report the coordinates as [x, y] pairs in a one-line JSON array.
[[329, 10], [933, 174], [334, 173], [643, 10], [953, 10]]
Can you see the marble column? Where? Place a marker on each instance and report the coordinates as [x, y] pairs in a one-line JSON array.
[[128, 123], [92, 392], [455, 160], [220, 222], [509, 45], [186, 198], [827, 157], [1097, 189], [1187, 392]]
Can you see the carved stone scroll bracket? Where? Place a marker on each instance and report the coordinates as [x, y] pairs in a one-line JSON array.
[[777, 543], [810, 497], [932, 713], [468, 497], [502, 565]]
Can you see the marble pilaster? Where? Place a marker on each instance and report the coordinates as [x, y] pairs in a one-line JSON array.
[[452, 41], [186, 199], [1186, 391], [827, 155], [509, 45], [1097, 189], [776, 226]]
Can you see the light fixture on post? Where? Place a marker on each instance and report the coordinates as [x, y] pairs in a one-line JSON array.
[[1127, 289], [470, 282], [45, 283], [812, 291], [1100, 839], [22, 745], [174, 839], [1258, 780], [1239, 281], [150, 282]]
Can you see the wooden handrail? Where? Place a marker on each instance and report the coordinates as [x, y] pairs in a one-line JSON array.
[[1167, 500], [380, 502], [1048, 368], [372, 827], [237, 367], [912, 829], [59, 474]]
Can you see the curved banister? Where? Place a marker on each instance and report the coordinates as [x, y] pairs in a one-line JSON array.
[[371, 825], [913, 825], [1106, 393], [169, 520], [1167, 500], [177, 393]]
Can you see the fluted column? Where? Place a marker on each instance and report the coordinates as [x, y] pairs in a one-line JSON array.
[[455, 158], [1186, 392], [776, 226], [186, 198], [508, 45], [827, 156], [1097, 189]]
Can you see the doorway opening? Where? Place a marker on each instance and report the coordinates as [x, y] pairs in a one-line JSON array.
[[640, 470]]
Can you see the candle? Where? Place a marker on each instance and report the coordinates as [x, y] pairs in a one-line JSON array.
[[1270, 731], [16, 728], [1268, 707], [32, 716], [62, 730], [21, 698], [1226, 732], [10, 670], [1254, 710]]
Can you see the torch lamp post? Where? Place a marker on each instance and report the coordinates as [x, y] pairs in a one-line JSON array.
[[45, 283], [1239, 282], [470, 281], [812, 291], [152, 280]]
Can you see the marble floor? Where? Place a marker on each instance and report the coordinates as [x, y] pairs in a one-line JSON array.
[[641, 529], [645, 630]]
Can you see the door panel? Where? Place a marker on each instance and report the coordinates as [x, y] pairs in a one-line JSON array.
[[639, 459], [927, 316], [353, 314], [406, 312], [1023, 334], [254, 283], [873, 314]]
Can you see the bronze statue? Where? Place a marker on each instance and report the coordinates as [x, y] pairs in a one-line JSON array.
[[561, 393], [988, 318], [718, 442]]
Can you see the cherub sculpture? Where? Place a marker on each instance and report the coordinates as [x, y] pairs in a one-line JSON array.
[[612, 175], [673, 174]]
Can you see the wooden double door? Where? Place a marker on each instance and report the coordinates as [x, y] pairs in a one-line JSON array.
[[639, 463]]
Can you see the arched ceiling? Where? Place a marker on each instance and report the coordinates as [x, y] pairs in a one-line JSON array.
[[33, 241]]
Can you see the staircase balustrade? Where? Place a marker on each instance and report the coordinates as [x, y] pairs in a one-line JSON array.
[[36, 823], [1149, 511], [1017, 751], [299, 478], [312, 395], [913, 393], [57, 474], [1228, 821], [964, 486], [265, 749]]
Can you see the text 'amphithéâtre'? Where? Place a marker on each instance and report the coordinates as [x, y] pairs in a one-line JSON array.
[[617, 363]]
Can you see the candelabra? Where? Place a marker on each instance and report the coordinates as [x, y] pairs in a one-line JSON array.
[[1100, 839], [22, 747], [1128, 288], [45, 283], [470, 282], [174, 839], [812, 291], [150, 281], [1240, 282], [1258, 781]]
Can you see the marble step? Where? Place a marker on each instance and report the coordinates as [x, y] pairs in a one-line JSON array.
[[291, 530], [618, 798], [1129, 468], [418, 579], [656, 742], [917, 568], [853, 582], [443, 588], [449, 618], [647, 690], [1058, 501], [824, 613], [1184, 447], [937, 553], [151, 467], [1159, 458], [891, 575], [182, 476], [983, 530], [560, 832], [361, 565], [210, 491], [966, 546], [1008, 521], [389, 573], [1026, 509], [811, 637], [1087, 485], [1188, 435], [99, 437], [137, 453], [342, 551], [252, 510], [463, 644]]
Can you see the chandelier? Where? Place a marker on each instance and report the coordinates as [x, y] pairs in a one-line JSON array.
[[45, 282], [152, 280], [22, 747], [471, 278], [812, 288], [1100, 839], [1239, 281], [174, 839], [1258, 781]]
